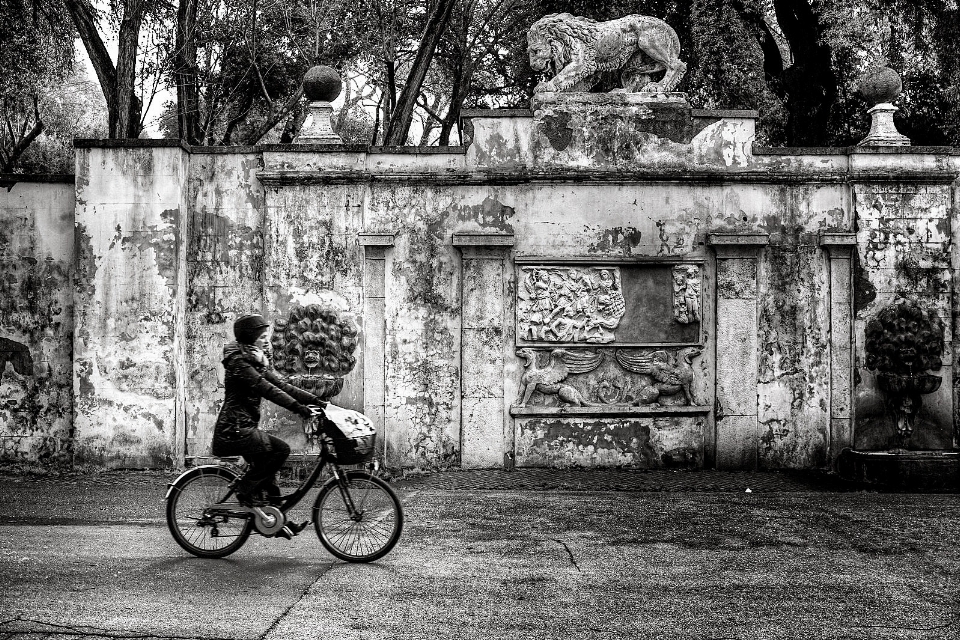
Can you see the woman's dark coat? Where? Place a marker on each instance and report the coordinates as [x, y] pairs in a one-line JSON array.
[[247, 381]]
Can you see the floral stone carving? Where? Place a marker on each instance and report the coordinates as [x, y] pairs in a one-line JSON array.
[[577, 51], [314, 347], [569, 304], [686, 293], [903, 342]]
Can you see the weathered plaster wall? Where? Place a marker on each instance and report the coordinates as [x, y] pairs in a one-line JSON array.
[[906, 245], [36, 321], [435, 246], [130, 302], [224, 263]]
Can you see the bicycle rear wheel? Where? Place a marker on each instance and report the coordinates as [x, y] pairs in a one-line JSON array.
[[202, 534], [367, 532]]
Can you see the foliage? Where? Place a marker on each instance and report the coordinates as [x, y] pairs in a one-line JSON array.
[[36, 52], [72, 109], [250, 60]]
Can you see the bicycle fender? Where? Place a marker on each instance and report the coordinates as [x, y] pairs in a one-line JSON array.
[[189, 472]]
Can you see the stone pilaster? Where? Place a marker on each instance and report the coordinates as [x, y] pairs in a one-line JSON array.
[[839, 248], [483, 347], [375, 246], [737, 436]]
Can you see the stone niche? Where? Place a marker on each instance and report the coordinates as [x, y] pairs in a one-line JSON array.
[[612, 371]]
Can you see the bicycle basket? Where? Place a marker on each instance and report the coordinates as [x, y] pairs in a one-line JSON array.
[[352, 434]]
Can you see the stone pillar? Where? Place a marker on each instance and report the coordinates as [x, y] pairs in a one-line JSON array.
[[483, 343], [737, 437], [839, 248], [374, 336]]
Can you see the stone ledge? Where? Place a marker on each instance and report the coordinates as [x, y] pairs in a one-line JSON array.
[[840, 239], [902, 471], [225, 150], [7, 180], [376, 239], [738, 239], [129, 143], [466, 114], [608, 411], [467, 239], [845, 151], [314, 148]]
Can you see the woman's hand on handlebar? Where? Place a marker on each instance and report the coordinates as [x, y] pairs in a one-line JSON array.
[[316, 409]]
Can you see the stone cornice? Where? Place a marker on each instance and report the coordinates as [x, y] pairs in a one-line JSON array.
[[521, 175]]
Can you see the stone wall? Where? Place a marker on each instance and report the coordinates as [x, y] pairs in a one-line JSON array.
[[36, 318], [574, 287]]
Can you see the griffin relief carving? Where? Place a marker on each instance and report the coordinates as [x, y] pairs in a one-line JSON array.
[[608, 377], [548, 380], [686, 293], [569, 304], [667, 375]]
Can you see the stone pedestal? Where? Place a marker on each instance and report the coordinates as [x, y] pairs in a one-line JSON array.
[[883, 132], [607, 120], [316, 128]]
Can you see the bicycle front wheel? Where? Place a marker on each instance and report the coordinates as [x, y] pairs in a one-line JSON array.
[[192, 525], [359, 519]]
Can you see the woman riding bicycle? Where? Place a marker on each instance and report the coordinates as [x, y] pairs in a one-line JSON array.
[[250, 377]]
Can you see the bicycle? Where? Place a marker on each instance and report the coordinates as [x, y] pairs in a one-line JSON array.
[[356, 515]]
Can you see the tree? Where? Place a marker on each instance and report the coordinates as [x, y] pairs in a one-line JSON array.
[[399, 126], [73, 108], [238, 67], [36, 52], [116, 81], [470, 60]]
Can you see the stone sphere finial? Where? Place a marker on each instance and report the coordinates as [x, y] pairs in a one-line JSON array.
[[879, 85], [322, 84]]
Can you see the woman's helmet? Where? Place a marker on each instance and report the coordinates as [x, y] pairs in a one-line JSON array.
[[248, 327]]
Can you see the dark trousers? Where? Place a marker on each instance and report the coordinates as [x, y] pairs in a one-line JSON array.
[[265, 454]]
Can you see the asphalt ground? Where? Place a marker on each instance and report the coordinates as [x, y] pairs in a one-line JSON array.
[[492, 554]]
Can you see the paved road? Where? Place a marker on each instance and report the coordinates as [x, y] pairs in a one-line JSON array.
[[495, 564]]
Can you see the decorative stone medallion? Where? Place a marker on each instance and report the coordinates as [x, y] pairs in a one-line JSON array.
[[314, 347]]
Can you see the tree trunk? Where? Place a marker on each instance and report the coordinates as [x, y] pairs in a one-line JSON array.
[[116, 82], [810, 83], [10, 162], [399, 125], [128, 104], [461, 83], [185, 72], [278, 115]]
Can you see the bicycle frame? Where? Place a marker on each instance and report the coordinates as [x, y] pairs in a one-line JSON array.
[[291, 500]]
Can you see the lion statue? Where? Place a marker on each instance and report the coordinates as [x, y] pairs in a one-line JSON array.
[[577, 51]]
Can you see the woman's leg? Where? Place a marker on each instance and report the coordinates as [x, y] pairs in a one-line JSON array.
[[265, 454]]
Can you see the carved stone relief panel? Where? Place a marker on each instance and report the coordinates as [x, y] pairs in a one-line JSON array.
[[630, 377], [686, 293], [627, 304], [569, 304]]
